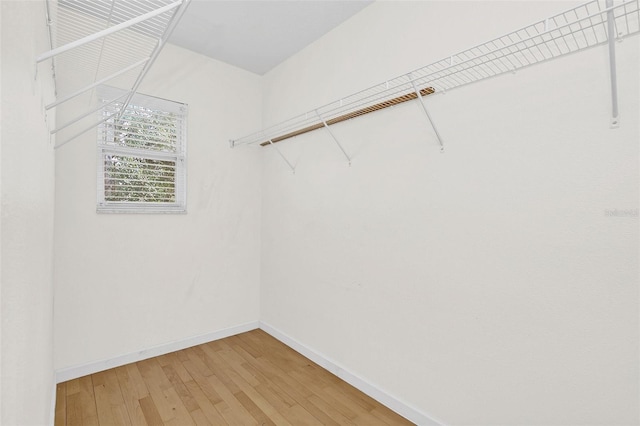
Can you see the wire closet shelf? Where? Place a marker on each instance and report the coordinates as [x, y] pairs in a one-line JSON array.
[[102, 42], [568, 32]]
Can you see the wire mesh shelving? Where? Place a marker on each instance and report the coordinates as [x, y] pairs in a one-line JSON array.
[[591, 24]]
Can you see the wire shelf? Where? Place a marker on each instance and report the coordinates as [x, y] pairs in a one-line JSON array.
[[568, 32], [112, 42]]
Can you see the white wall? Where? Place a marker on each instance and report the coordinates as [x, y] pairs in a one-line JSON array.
[[485, 285], [27, 219], [126, 282]]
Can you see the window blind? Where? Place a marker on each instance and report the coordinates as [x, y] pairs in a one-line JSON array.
[[141, 154]]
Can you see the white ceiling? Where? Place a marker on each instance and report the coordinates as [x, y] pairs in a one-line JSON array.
[[258, 35]]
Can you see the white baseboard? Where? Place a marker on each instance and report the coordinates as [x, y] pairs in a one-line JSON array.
[[375, 392], [71, 373]]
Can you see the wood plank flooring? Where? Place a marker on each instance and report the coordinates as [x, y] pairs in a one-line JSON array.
[[247, 379]]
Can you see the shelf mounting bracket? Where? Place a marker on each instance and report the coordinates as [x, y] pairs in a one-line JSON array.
[[615, 120], [293, 169], [326, 126], [426, 112]]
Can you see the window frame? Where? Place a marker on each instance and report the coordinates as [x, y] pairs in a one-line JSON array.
[[105, 147]]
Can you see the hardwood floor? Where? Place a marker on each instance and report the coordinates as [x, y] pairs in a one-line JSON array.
[[248, 379]]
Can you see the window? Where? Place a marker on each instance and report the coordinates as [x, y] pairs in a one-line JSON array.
[[141, 156]]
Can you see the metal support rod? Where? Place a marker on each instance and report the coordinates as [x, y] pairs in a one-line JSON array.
[[612, 64], [424, 108], [142, 74], [293, 169], [86, 114], [50, 33], [97, 83], [85, 130], [161, 41], [102, 43], [108, 31], [326, 126]]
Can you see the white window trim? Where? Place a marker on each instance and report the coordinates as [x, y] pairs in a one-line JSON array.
[[179, 157]]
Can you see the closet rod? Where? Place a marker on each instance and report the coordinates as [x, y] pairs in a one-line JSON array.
[[382, 105]]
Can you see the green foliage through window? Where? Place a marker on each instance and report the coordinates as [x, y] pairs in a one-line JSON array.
[[141, 156], [137, 179], [144, 128]]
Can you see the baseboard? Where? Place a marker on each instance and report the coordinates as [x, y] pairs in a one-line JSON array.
[[375, 392], [71, 373]]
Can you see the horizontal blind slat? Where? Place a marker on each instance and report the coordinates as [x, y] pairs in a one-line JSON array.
[[122, 180], [126, 151], [151, 145], [143, 115], [145, 101]]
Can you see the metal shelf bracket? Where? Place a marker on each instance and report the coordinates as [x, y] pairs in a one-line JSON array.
[[326, 126], [293, 169], [426, 112]]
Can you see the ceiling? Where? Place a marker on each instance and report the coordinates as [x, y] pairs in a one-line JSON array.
[[258, 35]]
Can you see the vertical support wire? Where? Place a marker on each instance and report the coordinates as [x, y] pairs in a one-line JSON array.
[[102, 43], [615, 122], [53, 60], [593, 25], [510, 65], [536, 45], [626, 16], [548, 31]]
